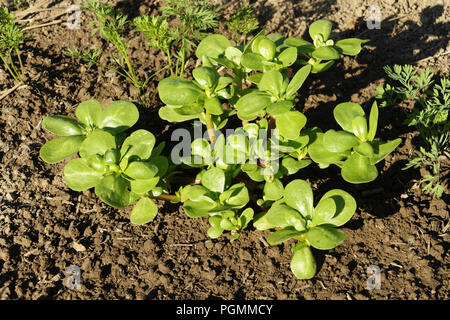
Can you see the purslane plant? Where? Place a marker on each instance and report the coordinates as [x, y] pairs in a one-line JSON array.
[[353, 149], [238, 174], [429, 116], [11, 36], [296, 217]]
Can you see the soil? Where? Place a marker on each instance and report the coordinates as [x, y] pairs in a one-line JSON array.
[[45, 227]]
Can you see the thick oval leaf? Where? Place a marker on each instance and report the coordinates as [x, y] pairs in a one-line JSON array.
[[144, 211], [214, 180], [288, 56], [207, 77], [321, 67], [273, 190], [177, 91], [322, 27], [339, 141], [272, 81], [137, 146], [213, 105], [325, 237], [143, 186], [365, 149], [381, 150], [62, 126], [118, 116], [359, 127], [236, 196], [373, 122], [297, 81], [345, 207], [344, 113], [321, 155], [97, 142], [260, 222], [283, 235], [212, 46], [197, 209], [284, 216], [168, 113], [266, 48], [113, 190], [290, 123], [298, 194], [141, 170], [278, 108], [196, 193], [351, 46], [303, 264], [292, 166], [326, 53], [246, 217], [357, 169], [88, 112], [252, 103], [324, 211], [59, 149], [303, 47], [80, 176], [214, 233], [252, 61]]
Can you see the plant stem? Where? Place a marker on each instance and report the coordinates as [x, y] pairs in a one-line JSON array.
[[165, 197], [20, 62], [9, 69], [169, 58], [210, 127]]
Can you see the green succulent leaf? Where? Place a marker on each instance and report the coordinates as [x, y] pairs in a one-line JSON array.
[[278, 108], [273, 190], [80, 176], [235, 196], [303, 264], [252, 61], [62, 126], [246, 217], [359, 127], [272, 81], [137, 146], [97, 142], [282, 216], [321, 155], [325, 53], [283, 235], [118, 116], [113, 190], [198, 209], [344, 113], [322, 27], [325, 237], [381, 150], [177, 91], [88, 112], [345, 206], [214, 180], [290, 123], [266, 48], [350, 46], [297, 81], [207, 77], [365, 149], [358, 169], [339, 141], [260, 222], [170, 114], [141, 170], [292, 166], [321, 67], [144, 185], [373, 122], [213, 105], [288, 56], [298, 194], [303, 47], [252, 103], [214, 232], [144, 211], [212, 46], [59, 149]]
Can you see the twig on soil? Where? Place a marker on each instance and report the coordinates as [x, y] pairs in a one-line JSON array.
[[433, 57], [44, 25], [182, 245], [38, 6], [19, 85]]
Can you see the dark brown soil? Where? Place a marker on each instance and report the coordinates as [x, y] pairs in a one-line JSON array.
[[45, 227]]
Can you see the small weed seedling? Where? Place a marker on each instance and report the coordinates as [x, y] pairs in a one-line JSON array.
[[177, 30], [429, 116], [242, 23], [11, 36]]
